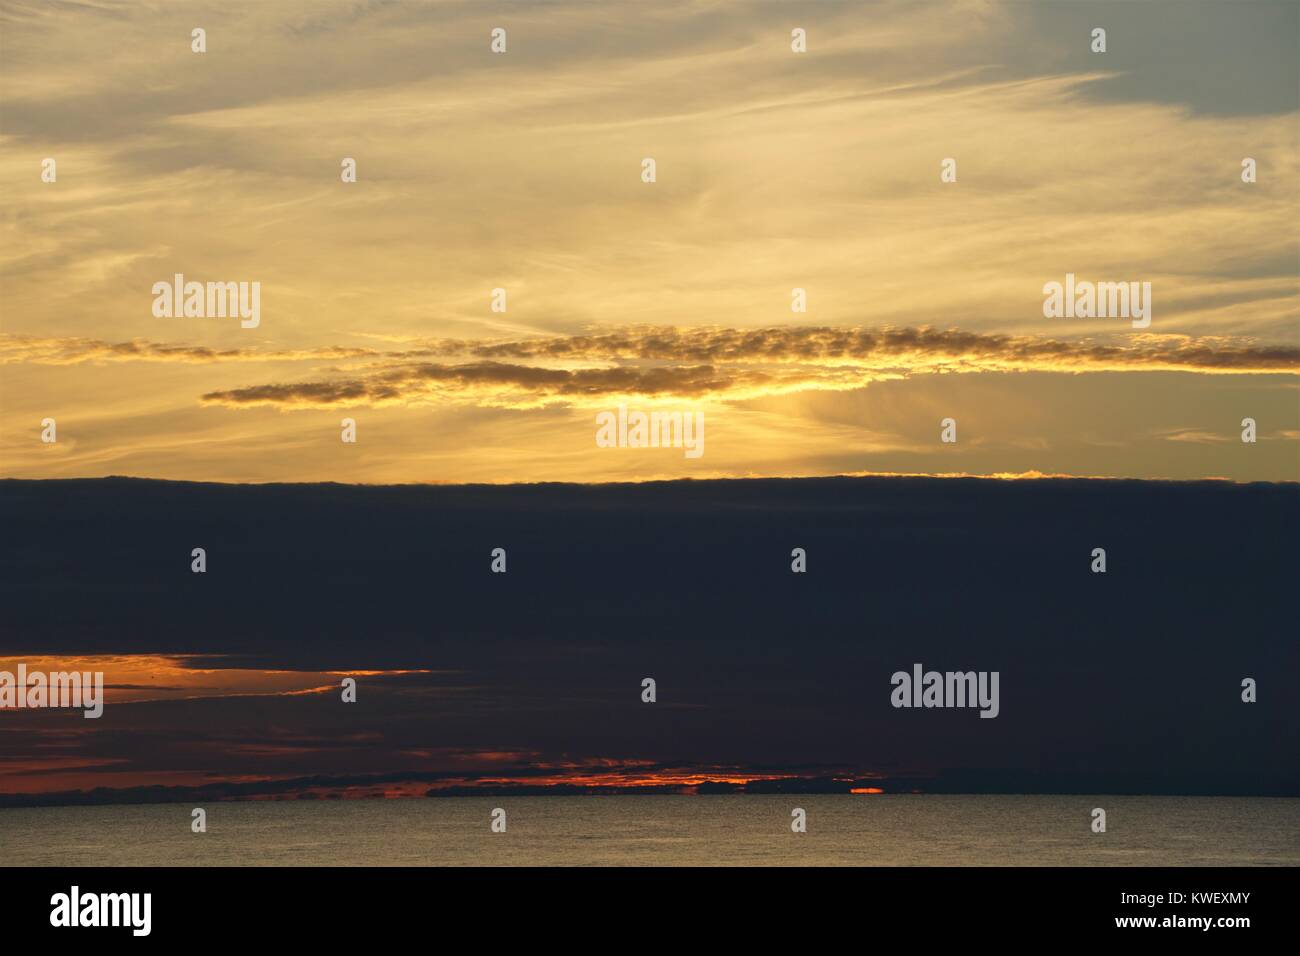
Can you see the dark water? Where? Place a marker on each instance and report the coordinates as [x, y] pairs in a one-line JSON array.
[[870, 830]]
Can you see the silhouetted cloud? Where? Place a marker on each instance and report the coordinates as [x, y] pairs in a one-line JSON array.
[[736, 363], [73, 350]]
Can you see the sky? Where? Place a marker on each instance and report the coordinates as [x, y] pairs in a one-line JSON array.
[[522, 171], [525, 171]]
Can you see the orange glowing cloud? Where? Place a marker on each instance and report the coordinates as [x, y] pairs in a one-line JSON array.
[[146, 677]]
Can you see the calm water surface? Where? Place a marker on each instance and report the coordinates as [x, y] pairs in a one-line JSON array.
[[866, 830]]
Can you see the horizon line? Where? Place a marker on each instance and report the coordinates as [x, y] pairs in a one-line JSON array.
[[507, 483]]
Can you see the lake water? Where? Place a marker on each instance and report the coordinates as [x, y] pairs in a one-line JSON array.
[[863, 830]]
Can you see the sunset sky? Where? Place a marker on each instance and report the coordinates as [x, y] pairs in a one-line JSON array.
[[775, 170]]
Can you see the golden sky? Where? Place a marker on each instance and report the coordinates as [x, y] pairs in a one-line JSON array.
[[775, 170]]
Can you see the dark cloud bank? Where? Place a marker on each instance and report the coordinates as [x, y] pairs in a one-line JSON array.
[[1122, 682]]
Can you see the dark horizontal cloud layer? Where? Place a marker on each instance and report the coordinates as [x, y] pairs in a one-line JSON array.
[[1126, 673], [662, 361]]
